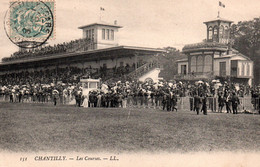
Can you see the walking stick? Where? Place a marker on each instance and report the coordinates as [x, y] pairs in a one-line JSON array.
[[129, 112]]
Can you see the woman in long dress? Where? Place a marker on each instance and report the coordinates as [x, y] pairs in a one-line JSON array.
[[85, 102]]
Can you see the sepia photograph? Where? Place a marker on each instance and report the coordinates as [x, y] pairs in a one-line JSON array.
[[130, 83]]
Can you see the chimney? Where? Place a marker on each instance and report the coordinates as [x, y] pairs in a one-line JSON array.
[[115, 22]]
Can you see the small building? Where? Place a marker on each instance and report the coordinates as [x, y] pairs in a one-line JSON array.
[[214, 58], [103, 34]]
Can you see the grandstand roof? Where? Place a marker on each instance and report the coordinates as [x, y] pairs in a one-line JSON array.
[[218, 19], [100, 23], [99, 54], [204, 46]]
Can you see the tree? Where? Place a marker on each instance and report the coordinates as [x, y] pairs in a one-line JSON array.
[[246, 36], [168, 60]]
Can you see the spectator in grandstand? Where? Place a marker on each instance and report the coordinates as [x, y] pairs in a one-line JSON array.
[[50, 50]]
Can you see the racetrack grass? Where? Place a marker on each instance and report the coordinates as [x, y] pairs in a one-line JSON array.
[[44, 127]]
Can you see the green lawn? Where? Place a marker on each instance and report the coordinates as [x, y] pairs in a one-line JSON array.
[[43, 127]]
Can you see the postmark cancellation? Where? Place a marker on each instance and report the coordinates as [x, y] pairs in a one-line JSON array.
[[30, 23]]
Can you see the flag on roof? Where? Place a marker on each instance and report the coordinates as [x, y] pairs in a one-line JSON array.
[[221, 4]]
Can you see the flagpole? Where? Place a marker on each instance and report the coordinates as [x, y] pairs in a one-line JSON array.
[[100, 15], [218, 10]]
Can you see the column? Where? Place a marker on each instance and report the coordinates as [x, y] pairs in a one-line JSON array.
[[136, 54], [189, 63], [212, 64], [203, 62]]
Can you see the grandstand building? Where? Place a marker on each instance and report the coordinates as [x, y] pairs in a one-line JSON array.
[[215, 58], [96, 55]]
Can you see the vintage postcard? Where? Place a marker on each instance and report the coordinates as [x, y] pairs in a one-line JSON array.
[[130, 83]]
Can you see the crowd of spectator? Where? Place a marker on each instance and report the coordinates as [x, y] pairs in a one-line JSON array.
[[70, 74], [49, 50], [124, 94], [63, 85]]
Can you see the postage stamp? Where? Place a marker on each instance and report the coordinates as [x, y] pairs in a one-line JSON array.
[[30, 23]]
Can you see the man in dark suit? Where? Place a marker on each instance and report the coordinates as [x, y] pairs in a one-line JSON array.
[[78, 99], [221, 102], [235, 102], [197, 103], [227, 102], [168, 102], [174, 102], [204, 104], [164, 101]]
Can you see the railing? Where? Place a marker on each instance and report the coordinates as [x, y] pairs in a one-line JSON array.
[[134, 75], [197, 75], [143, 69], [247, 104]]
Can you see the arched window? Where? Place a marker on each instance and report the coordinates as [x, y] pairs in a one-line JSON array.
[[221, 31], [208, 63], [193, 64], [215, 33], [200, 64], [210, 32], [226, 32]]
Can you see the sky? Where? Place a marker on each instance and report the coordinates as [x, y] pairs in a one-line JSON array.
[[146, 23]]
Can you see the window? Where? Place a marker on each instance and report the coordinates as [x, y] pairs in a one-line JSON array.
[[92, 85], [183, 69], [221, 31], [103, 34], [193, 64], [210, 32], [234, 68], [107, 34], [222, 69], [86, 33], [215, 34], [85, 85], [200, 64], [208, 63], [226, 35], [112, 34], [92, 32], [215, 30], [233, 71]]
